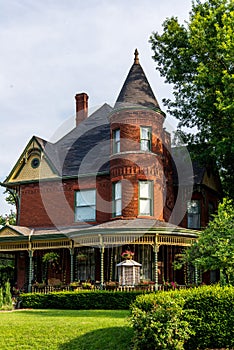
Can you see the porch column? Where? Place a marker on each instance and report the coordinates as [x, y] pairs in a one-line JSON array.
[[30, 273], [156, 249], [196, 275], [102, 249], [71, 264]]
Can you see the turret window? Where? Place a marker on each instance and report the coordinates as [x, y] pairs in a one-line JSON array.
[[145, 138], [116, 141], [145, 198], [85, 205], [117, 196]]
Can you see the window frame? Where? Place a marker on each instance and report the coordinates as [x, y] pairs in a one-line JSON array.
[[191, 217], [116, 141], [148, 140], [150, 198], [116, 199], [85, 205]]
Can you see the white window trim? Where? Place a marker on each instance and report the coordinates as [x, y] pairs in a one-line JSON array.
[[148, 139], [117, 199], [116, 141], [148, 198], [85, 205]]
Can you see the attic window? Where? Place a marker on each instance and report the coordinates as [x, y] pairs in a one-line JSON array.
[[35, 163]]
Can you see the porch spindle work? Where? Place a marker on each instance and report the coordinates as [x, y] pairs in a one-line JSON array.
[[102, 250], [72, 264], [156, 249], [30, 277]]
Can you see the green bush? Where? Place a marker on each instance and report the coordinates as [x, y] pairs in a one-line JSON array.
[[159, 322], [208, 311], [1, 298], [5, 297], [81, 300]]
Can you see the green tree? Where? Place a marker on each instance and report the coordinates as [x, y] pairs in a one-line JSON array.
[[197, 58], [10, 219], [214, 248]]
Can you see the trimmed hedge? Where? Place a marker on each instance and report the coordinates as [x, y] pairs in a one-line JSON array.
[[208, 310], [82, 300]]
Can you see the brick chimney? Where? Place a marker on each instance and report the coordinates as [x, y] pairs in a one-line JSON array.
[[81, 107]]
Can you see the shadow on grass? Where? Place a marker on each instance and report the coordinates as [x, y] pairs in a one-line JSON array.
[[75, 313], [116, 338]]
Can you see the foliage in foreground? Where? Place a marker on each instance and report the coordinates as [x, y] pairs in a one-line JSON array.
[[197, 58], [215, 246], [81, 300], [5, 297], [191, 319], [65, 330]]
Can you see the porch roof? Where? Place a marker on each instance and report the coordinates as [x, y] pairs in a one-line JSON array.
[[111, 233], [135, 231]]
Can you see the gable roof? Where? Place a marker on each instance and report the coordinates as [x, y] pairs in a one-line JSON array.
[[22, 171], [191, 171], [14, 231], [136, 90]]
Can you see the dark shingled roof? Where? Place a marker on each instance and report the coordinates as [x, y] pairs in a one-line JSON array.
[[136, 90], [191, 172], [86, 149]]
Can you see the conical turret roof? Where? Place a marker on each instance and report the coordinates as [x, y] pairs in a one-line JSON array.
[[136, 89]]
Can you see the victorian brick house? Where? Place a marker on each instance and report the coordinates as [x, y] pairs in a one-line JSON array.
[[112, 183]]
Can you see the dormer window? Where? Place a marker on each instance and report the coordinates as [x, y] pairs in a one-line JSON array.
[[116, 141], [145, 135]]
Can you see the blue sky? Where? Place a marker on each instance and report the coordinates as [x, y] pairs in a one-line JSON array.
[[51, 50]]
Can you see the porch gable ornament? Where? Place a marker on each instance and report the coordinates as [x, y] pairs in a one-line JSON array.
[[127, 254]]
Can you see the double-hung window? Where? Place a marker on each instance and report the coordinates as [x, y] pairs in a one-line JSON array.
[[116, 141], [85, 205], [145, 135], [145, 198], [117, 196], [193, 214]]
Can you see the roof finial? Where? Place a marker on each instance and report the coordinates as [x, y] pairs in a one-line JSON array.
[[136, 60]]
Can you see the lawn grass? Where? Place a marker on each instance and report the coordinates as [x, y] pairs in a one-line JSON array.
[[65, 330]]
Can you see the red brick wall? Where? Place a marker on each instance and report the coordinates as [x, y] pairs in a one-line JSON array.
[[52, 203], [133, 165]]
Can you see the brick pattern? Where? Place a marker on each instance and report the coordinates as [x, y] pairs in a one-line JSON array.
[[133, 165]]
